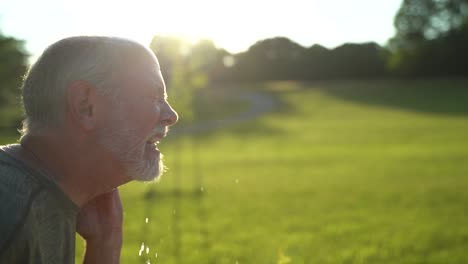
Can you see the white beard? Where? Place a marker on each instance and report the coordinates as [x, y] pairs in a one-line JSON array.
[[130, 150]]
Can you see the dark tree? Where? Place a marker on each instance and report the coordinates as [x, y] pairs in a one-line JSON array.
[[270, 59], [431, 38], [316, 63], [421, 20], [12, 68], [357, 61]]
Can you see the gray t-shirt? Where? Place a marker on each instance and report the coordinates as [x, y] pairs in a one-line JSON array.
[[37, 220]]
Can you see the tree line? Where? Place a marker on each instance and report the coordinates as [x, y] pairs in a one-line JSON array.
[[431, 40]]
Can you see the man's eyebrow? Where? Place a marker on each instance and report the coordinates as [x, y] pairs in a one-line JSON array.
[[160, 88]]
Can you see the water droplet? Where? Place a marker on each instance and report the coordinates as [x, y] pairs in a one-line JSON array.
[[147, 250], [156, 254], [202, 189], [148, 261], [237, 180], [141, 248], [146, 220]]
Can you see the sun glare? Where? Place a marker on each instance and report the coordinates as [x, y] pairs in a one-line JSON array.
[[232, 25], [189, 20]]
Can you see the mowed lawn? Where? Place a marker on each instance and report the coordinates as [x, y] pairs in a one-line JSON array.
[[341, 172]]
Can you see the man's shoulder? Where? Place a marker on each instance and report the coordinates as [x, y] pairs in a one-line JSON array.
[[36, 218], [18, 188], [17, 181], [16, 177]]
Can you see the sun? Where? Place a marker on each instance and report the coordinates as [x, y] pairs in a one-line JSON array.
[[142, 20]]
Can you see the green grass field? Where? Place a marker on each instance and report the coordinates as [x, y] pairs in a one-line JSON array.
[[341, 172]]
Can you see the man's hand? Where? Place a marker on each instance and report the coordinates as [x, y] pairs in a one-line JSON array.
[[99, 222]]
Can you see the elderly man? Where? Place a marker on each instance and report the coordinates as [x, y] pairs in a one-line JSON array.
[[96, 108]]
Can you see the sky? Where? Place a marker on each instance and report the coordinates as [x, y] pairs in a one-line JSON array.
[[232, 25]]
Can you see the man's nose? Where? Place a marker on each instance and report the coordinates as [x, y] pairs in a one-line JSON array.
[[170, 116]]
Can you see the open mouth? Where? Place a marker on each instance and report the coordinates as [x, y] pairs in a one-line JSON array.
[[154, 141], [153, 144]]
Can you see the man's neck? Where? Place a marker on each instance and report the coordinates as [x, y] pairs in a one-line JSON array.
[[71, 165]]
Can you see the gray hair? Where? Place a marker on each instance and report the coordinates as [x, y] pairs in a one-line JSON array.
[[101, 61]]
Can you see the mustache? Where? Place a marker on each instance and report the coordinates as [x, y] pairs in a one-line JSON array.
[[159, 132]]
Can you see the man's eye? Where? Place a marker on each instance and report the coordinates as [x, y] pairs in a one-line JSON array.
[[157, 108], [158, 104]]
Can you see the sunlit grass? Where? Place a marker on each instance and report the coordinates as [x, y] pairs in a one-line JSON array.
[[339, 173], [325, 179]]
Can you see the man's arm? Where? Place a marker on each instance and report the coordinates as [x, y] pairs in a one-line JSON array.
[[100, 224], [103, 251]]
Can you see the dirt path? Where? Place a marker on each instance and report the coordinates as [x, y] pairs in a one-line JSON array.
[[259, 103]]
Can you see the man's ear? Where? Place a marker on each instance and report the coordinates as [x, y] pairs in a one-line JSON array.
[[81, 99]]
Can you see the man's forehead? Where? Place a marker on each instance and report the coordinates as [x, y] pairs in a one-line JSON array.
[[150, 80], [158, 85], [143, 72]]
